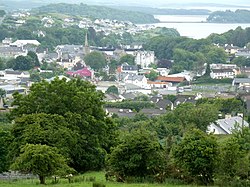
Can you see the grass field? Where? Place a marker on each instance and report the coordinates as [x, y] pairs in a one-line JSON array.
[[99, 176]]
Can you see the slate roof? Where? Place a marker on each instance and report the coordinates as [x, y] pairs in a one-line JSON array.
[[151, 112], [130, 86], [129, 95], [222, 70], [5, 50], [241, 80], [10, 72], [134, 77], [226, 126], [128, 67], [111, 97], [70, 48]]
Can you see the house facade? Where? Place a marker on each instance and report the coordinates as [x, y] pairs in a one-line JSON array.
[[222, 73], [144, 58]]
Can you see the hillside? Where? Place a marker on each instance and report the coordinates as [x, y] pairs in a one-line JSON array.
[[239, 16], [97, 12], [163, 11]]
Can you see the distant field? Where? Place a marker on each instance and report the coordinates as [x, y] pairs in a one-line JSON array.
[[64, 183]]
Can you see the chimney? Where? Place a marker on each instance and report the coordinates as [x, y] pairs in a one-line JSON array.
[[227, 116]]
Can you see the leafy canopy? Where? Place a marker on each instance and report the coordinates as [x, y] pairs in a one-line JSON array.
[[41, 160]]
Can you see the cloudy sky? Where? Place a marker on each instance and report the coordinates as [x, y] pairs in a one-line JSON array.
[[153, 3]]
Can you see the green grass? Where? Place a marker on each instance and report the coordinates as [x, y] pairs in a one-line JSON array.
[[100, 178]]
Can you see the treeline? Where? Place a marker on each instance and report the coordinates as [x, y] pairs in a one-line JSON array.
[[163, 11], [188, 54], [192, 54], [238, 37], [175, 147], [228, 16], [100, 12]]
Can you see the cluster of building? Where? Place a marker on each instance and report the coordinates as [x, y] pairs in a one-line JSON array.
[[105, 26]]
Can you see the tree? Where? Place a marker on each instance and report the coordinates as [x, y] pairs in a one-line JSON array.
[[196, 154], [231, 161], [23, 63], [139, 154], [2, 93], [81, 106], [130, 59], [215, 55], [200, 116], [45, 129], [5, 140], [95, 60], [34, 59], [41, 160], [112, 89], [152, 75]]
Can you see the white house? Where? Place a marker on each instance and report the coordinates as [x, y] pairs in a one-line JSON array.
[[21, 43], [15, 74], [138, 80], [10, 89], [222, 73], [144, 58], [227, 125]]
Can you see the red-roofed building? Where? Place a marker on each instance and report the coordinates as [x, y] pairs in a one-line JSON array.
[[85, 72], [173, 80]]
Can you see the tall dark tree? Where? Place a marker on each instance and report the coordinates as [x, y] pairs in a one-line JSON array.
[[34, 58]]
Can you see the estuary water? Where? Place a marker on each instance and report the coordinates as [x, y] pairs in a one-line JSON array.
[[195, 26]]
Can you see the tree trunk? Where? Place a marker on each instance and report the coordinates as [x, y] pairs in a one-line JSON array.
[[42, 179]]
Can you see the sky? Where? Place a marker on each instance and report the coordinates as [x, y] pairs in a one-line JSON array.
[[152, 2], [185, 4]]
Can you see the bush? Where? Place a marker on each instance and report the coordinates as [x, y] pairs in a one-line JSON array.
[[98, 185]]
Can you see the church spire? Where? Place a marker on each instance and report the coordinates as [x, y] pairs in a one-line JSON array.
[[86, 46]]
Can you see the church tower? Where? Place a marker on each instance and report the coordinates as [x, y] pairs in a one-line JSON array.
[[86, 45]]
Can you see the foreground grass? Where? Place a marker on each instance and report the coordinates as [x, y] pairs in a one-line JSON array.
[[99, 177]]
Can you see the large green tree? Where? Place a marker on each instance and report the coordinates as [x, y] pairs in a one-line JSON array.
[[41, 160], [138, 154], [45, 129], [81, 106], [95, 60], [196, 155]]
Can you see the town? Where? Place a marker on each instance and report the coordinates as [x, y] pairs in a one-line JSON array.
[[135, 102]]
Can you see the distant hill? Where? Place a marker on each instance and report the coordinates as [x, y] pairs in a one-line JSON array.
[[239, 16], [163, 11], [97, 12]]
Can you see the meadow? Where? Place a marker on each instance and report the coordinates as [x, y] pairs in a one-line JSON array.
[[99, 178]]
